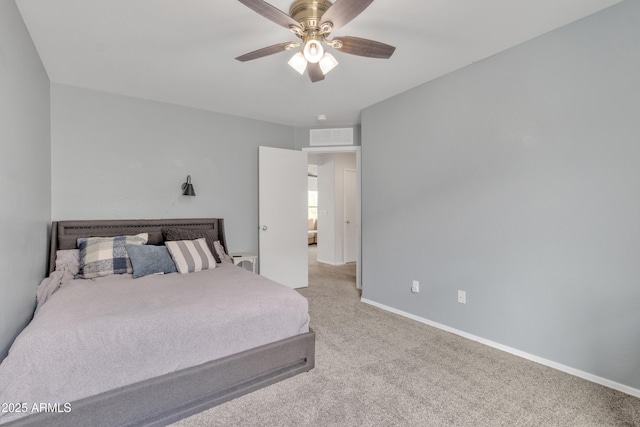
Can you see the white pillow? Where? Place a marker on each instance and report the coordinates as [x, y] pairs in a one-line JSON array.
[[221, 253], [68, 260], [191, 255]]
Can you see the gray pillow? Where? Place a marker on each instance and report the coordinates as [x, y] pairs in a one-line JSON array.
[[148, 259]]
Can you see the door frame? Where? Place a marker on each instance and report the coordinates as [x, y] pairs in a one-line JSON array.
[[341, 150]]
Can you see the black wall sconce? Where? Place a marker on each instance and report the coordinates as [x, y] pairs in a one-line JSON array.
[[187, 188]]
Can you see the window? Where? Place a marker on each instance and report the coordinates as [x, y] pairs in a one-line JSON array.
[[313, 204]]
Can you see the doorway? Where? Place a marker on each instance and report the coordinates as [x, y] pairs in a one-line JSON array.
[[338, 208]]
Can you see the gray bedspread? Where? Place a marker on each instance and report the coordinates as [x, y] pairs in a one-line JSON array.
[[96, 335]]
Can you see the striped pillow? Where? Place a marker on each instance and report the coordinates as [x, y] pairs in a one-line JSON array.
[[191, 255]]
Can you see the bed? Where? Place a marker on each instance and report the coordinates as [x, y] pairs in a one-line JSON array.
[[205, 333]]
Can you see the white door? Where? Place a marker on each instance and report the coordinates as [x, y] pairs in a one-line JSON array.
[[350, 217], [283, 193]]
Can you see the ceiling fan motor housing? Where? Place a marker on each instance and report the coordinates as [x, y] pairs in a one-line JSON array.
[[309, 12]]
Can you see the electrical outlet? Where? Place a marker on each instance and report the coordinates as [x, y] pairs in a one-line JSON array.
[[415, 287], [462, 297]]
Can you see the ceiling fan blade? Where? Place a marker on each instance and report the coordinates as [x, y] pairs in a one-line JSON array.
[[343, 11], [365, 47], [265, 51], [315, 73], [270, 12]]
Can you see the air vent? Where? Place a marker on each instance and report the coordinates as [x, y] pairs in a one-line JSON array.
[[341, 136]]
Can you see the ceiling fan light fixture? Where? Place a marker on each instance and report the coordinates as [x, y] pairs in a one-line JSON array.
[[298, 62], [327, 63], [313, 51], [313, 21]]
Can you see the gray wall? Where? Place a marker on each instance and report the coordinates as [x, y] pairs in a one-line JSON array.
[[517, 179], [25, 171], [120, 157]]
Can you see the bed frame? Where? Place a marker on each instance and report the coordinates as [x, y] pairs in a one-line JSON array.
[[171, 397]]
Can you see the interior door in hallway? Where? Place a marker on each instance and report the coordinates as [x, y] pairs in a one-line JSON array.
[[350, 249], [283, 193]]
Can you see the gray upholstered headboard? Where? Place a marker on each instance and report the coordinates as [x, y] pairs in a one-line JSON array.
[[65, 233]]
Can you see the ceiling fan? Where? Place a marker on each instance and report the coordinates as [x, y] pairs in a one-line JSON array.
[[313, 21]]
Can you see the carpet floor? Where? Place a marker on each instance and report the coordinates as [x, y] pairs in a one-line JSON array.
[[375, 368]]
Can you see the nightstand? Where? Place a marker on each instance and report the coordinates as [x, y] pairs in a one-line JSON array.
[[240, 257]]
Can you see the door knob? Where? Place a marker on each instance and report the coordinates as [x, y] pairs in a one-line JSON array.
[[264, 227]]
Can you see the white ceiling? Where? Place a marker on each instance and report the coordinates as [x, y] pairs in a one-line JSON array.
[[182, 51]]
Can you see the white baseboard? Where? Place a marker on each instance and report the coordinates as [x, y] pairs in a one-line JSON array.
[[569, 370], [329, 262]]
